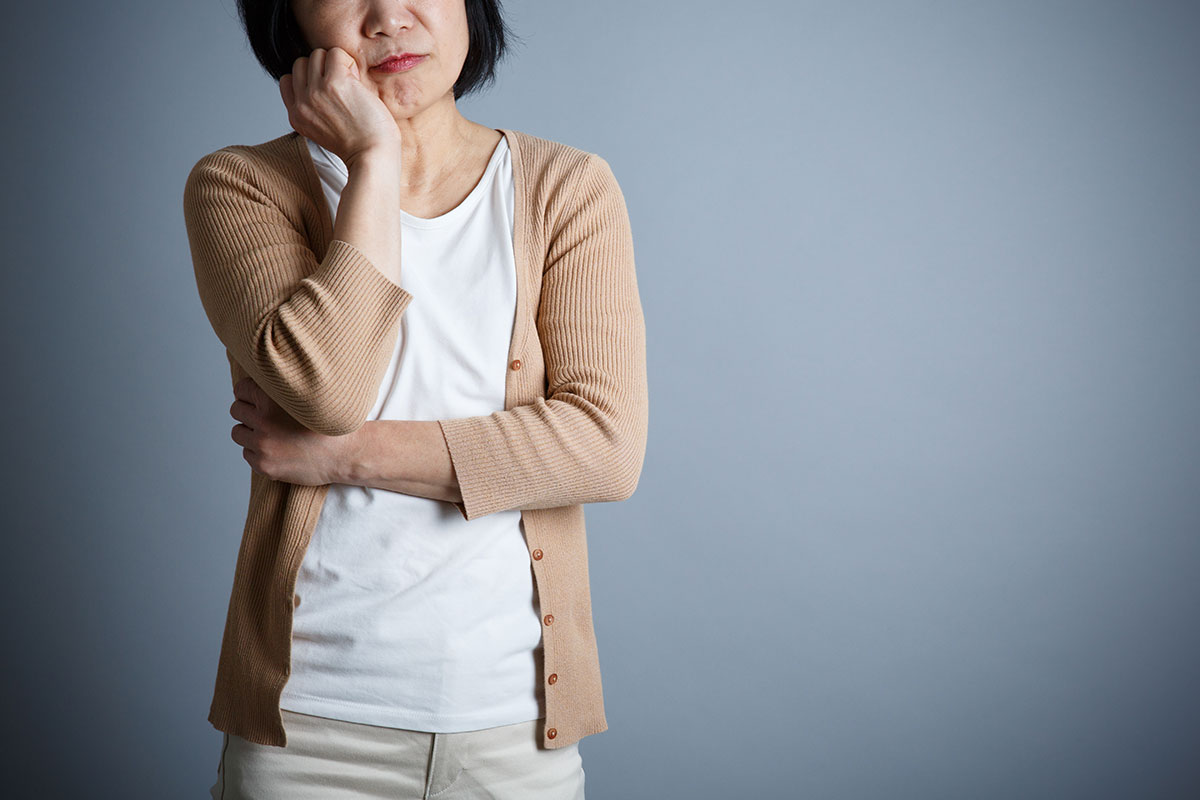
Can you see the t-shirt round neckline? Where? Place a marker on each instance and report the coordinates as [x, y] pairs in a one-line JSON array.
[[442, 220]]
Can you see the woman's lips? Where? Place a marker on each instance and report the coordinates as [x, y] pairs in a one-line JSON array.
[[398, 64]]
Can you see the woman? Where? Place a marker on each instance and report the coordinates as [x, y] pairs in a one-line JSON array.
[[438, 355]]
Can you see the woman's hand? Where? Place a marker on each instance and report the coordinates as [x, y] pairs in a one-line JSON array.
[[277, 446], [328, 101]]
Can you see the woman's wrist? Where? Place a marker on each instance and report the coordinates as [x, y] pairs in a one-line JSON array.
[[408, 456], [382, 158], [351, 466]]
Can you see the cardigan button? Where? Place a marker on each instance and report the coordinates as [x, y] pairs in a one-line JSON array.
[[516, 364], [551, 733], [553, 679], [295, 601], [548, 619], [537, 554]]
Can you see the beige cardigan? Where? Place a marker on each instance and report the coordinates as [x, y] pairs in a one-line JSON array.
[[314, 323]]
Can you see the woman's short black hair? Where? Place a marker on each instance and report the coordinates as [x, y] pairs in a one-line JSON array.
[[277, 41]]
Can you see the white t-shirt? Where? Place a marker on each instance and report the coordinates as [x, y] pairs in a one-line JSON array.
[[411, 616]]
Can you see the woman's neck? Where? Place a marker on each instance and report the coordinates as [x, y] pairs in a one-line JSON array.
[[435, 143]]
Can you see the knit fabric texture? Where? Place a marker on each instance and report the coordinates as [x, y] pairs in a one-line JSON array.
[[314, 323]]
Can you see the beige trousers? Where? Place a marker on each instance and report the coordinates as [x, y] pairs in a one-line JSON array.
[[331, 759]]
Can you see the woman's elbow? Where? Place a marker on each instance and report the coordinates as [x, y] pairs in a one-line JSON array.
[[627, 469], [323, 411], [337, 426], [339, 415]]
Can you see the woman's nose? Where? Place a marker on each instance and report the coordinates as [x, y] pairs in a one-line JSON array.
[[388, 17]]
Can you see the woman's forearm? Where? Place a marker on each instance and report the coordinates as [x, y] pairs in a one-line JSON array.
[[408, 456], [368, 214]]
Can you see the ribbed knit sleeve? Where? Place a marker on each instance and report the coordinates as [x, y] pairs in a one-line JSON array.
[[585, 441], [316, 336]]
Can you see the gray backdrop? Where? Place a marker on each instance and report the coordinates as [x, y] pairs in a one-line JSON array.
[[919, 515]]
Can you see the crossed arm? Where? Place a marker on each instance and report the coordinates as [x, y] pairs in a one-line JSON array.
[[314, 340], [408, 456]]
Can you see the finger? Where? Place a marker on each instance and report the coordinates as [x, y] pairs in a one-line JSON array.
[[338, 59], [300, 77], [243, 436], [245, 413], [253, 460], [316, 67]]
